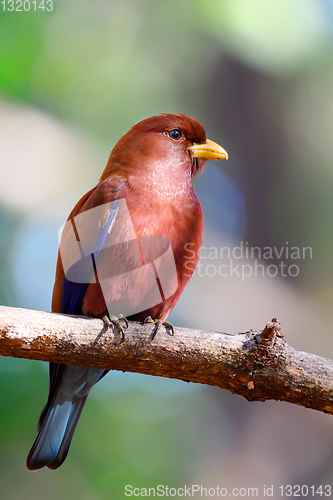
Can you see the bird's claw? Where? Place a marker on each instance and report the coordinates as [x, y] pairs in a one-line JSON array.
[[158, 323], [112, 321]]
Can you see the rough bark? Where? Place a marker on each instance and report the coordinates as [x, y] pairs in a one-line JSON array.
[[256, 365]]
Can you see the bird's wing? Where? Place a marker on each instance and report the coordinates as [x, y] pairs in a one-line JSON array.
[[83, 238]]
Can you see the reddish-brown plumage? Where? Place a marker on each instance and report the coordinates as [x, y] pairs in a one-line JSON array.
[[154, 174], [151, 167]]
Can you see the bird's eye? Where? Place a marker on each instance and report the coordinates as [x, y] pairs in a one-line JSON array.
[[175, 134]]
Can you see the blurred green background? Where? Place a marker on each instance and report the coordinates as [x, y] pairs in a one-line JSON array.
[[259, 76]]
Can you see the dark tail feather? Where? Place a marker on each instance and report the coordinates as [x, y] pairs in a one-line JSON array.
[[61, 415], [52, 443]]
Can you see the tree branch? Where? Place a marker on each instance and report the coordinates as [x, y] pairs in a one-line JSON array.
[[256, 365]]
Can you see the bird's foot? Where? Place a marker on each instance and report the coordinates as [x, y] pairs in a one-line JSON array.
[[158, 323], [112, 321]]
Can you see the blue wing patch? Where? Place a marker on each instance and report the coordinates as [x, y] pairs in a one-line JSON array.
[[80, 274]]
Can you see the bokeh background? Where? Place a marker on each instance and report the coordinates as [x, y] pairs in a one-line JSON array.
[[259, 76]]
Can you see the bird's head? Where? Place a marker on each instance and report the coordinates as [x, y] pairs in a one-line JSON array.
[[165, 143]]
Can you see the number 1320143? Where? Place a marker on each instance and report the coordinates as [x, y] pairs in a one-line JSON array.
[[26, 5]]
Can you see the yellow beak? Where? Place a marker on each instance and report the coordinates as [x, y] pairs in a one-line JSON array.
[[208, 150]]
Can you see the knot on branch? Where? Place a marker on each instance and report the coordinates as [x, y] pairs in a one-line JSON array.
[[267, 336]]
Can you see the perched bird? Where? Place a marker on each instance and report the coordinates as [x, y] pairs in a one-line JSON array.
[[123, 252]]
